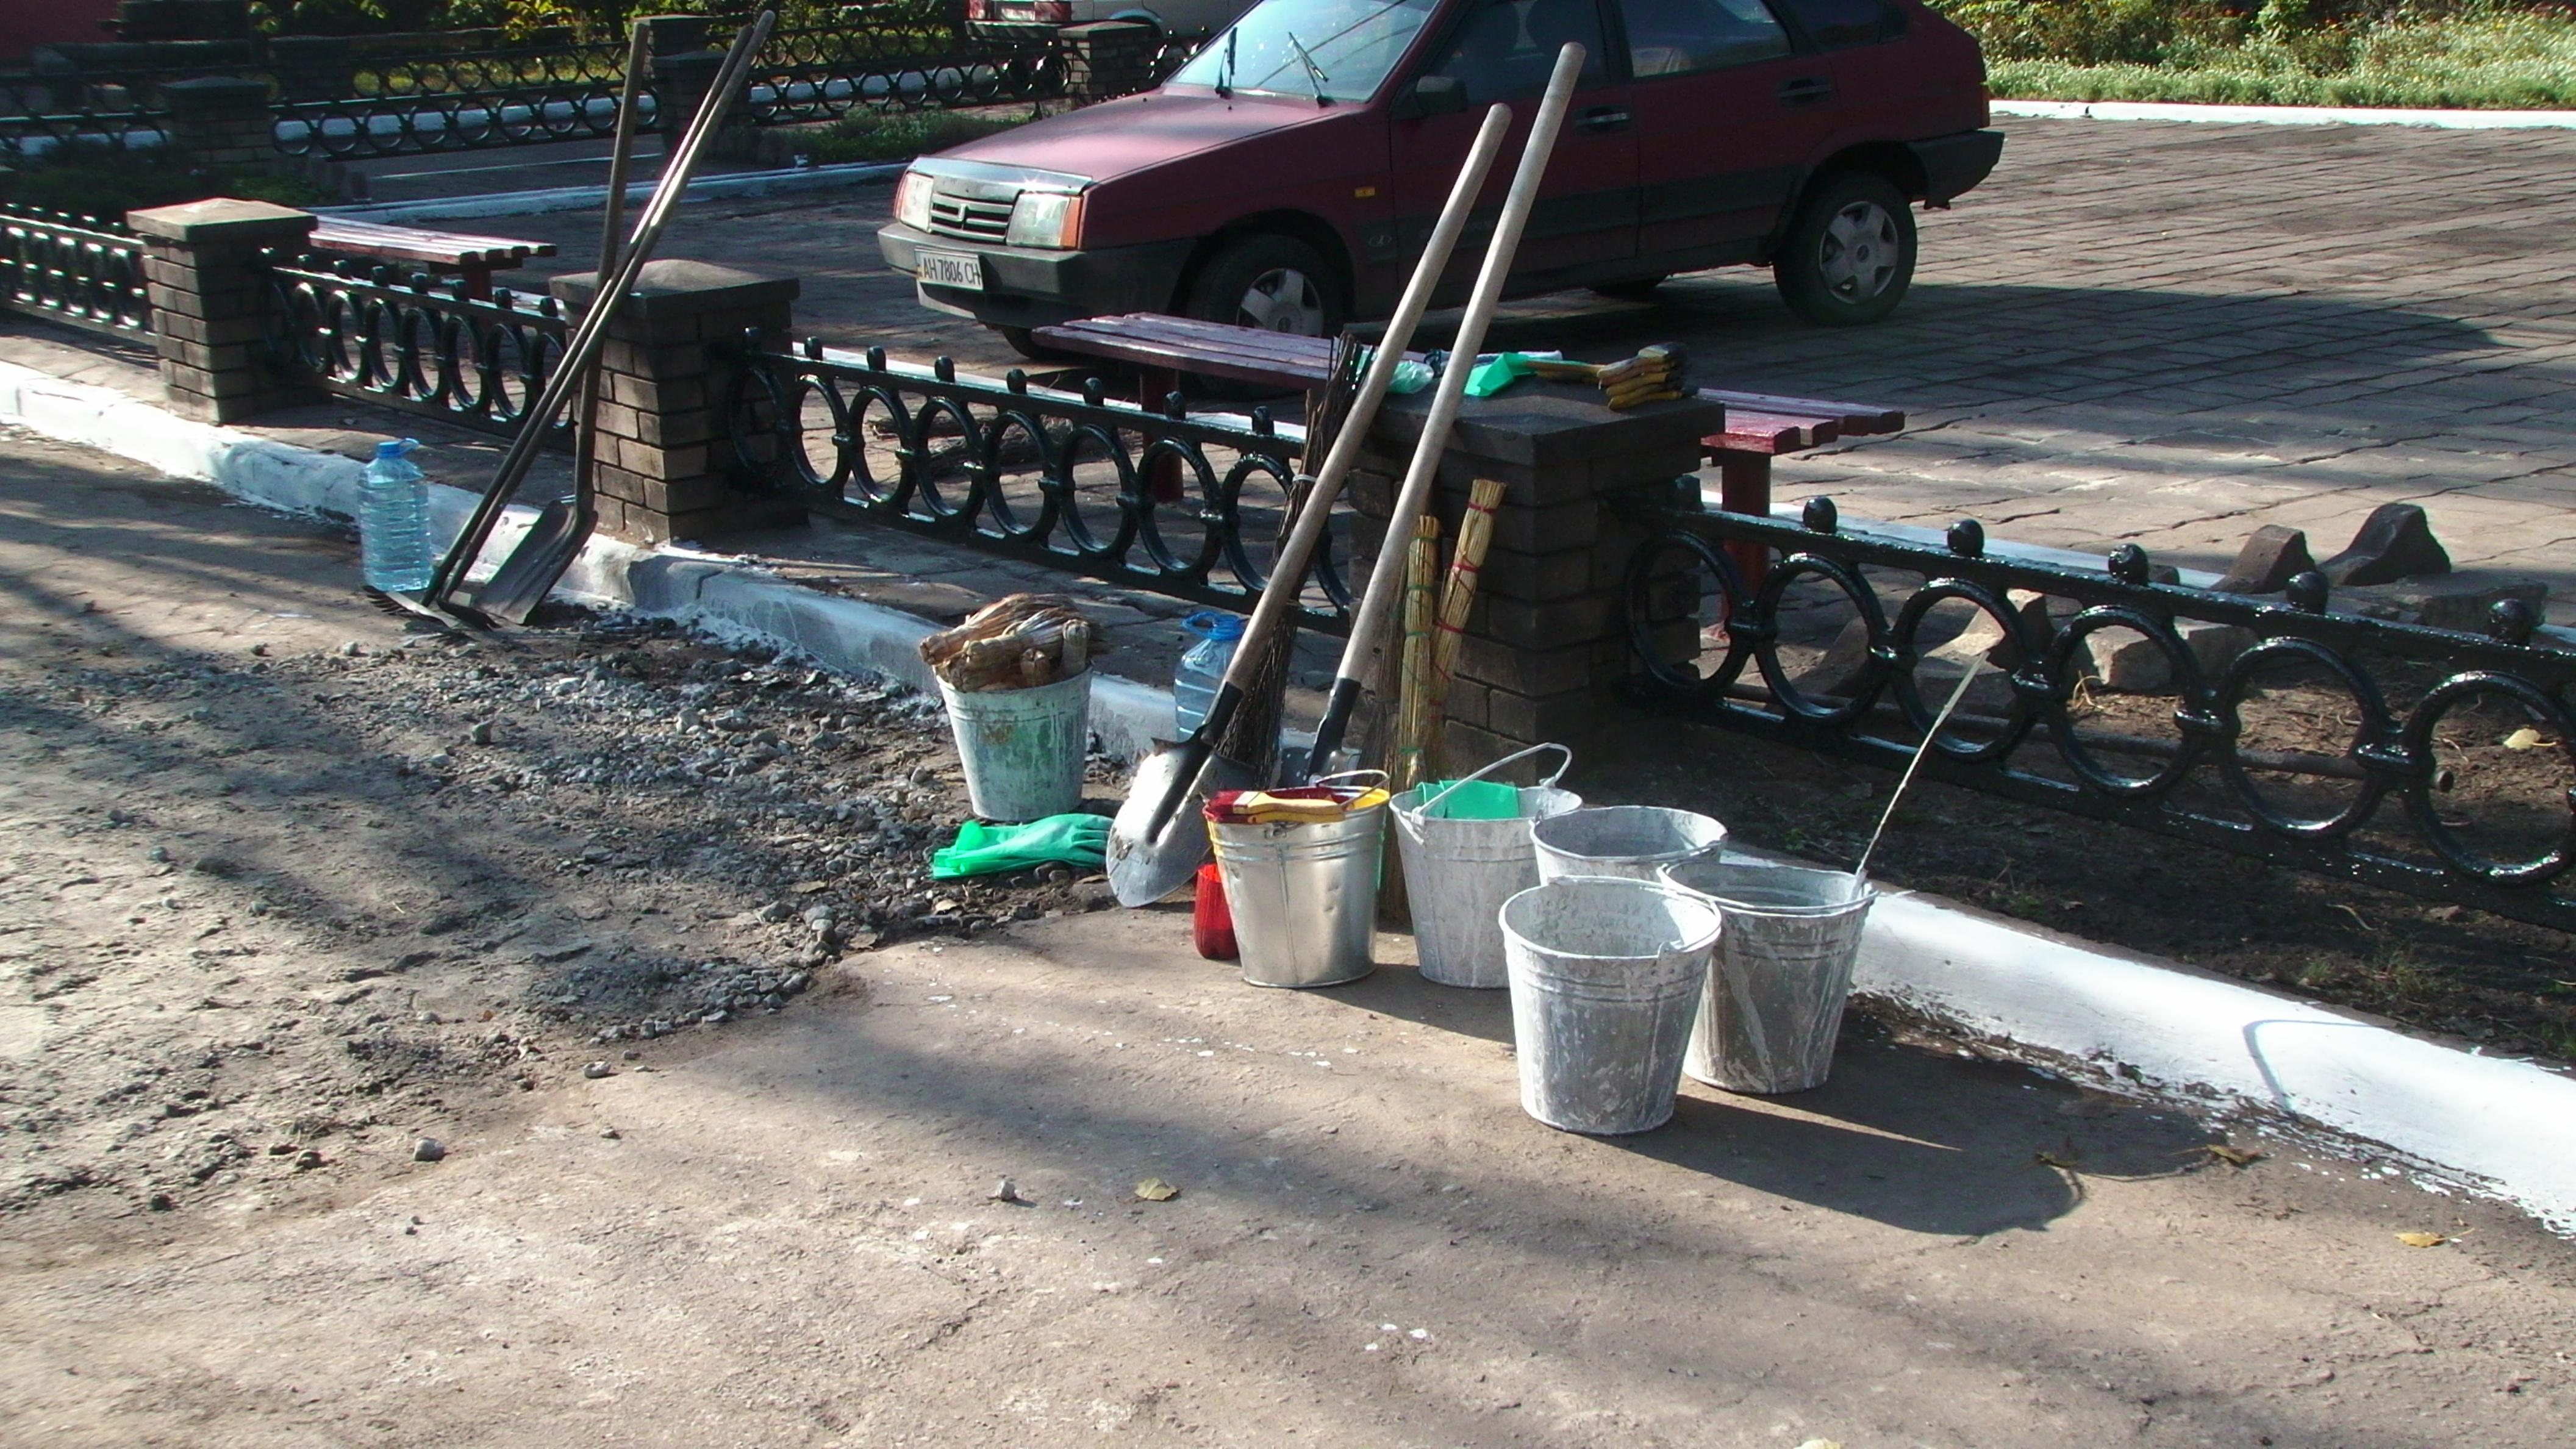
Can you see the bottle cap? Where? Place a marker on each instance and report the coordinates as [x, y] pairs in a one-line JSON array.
[[395, 448], [1209, 624]]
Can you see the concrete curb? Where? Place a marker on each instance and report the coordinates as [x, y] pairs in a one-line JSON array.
[[586, 198], [2287, 115], [2130, 1023]]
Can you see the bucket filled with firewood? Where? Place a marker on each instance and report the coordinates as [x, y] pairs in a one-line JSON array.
[[1016, 678]]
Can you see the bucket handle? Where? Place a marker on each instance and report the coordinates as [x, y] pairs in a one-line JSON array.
[[1383, 779], [1562, 766]]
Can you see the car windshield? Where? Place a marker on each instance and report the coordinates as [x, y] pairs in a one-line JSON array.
[[1340, 50]]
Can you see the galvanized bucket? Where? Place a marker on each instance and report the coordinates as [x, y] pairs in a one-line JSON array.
[[1606, 975], [1774, 1002], [1458, 873], [1023, 749], [1633, 841], [1304, 897]]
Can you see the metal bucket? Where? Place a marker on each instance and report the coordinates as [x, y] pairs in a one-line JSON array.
[[1622, 840], [1304, 897], [1774, 1002], [1458, 873], [1023, 749], [1606, 975]]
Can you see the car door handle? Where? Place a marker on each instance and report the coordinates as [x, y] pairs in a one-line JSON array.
[[1604, 118], [1806, 90]]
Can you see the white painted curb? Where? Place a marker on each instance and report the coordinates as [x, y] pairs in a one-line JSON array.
[[2287, 115], [2499, 1127], [588, 198]]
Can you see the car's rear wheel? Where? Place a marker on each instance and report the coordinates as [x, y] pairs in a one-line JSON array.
[[1276, 283], [1849, 256]]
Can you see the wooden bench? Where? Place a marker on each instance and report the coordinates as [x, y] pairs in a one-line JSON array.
[[441, 253], [1762, 426], [1759, 426]]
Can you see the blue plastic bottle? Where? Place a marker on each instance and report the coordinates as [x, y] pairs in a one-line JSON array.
[[1202, 668], [393, 522]]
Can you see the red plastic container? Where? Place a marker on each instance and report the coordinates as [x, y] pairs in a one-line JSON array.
[[1211, 924]]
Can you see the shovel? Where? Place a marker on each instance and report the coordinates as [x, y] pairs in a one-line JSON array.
[[582, 349], [529, 573], [1158, 840], [1386, 579]]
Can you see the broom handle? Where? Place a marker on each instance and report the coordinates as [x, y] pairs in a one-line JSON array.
[[1450, 393], [1288, 573], [584, 345]]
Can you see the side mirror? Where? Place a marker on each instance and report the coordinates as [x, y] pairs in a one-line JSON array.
[[1431, 95]]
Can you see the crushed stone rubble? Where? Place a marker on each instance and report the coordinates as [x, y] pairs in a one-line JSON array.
[[276, 910]]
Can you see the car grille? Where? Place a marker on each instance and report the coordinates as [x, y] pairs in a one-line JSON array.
[[975, 220]]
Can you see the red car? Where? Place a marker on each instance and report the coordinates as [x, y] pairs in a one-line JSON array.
[[1286, 176]]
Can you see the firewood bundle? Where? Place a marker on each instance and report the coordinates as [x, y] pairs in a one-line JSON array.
[[1019, 642]]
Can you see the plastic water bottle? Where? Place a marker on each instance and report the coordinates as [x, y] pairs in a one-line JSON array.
[[1202, 668], [393, 522]]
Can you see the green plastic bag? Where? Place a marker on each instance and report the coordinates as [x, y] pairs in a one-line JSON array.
[[1474, 800], [1075, 839]]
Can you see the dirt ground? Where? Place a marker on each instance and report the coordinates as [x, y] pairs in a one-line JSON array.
[[635, 929]]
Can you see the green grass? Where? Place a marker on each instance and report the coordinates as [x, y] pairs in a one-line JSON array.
[[2476, 56], [109, 183], [901, 137]]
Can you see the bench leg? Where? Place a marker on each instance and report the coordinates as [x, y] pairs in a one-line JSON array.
[[1744, 486], [478, 283]]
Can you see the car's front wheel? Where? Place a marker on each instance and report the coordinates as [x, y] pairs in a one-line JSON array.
[[1275, 283], [1849, 255]]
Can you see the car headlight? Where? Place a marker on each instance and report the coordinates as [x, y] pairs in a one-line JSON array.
[[912, 201], [1046, 219]]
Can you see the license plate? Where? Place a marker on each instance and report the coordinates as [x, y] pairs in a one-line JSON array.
[[953, 269]]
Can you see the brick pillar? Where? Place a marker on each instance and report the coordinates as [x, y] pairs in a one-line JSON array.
[[222, 121], [314, 67], [665, 469], [211, 304], [684, 66], [1547, 641], [1107, 59]]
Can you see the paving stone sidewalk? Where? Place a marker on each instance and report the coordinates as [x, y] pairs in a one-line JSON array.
[[2161, 333]]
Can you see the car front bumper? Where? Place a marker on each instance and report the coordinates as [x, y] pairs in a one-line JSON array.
[[1028, 287], [1953, 164]]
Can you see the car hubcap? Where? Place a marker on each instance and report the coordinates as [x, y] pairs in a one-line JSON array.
[[1860, 251], [1284, 300]]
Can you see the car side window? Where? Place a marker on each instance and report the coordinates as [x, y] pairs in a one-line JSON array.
[[1681, 37], [1836, 24], [1507, 48]]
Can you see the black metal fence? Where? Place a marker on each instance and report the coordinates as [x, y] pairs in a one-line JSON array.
[[2433, 761], [333, 100], [414, 344], [78, 270], [1151, 499]]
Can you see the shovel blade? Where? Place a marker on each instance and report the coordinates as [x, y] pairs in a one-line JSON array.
[[529, 573], [1159, 839]]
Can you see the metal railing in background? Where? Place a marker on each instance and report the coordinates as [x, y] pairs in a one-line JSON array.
[[82, 271], [823, 74], [2292, 745], [1153, 500], [414, 344], [396, 105], [40, 113]]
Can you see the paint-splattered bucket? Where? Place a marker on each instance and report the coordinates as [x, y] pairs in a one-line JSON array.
[[1023, 749]]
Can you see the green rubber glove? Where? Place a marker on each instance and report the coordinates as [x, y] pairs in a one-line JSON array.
[[1076, 840]]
